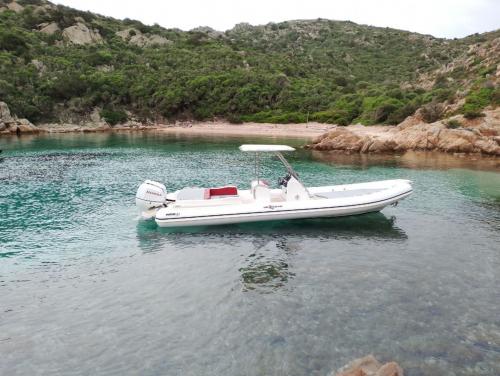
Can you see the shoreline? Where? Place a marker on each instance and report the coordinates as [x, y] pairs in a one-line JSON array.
[[306, 132], [477, 137]]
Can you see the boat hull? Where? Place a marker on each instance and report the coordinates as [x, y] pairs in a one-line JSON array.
[[395, 191]]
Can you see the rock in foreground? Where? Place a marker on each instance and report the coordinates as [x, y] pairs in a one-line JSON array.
[[457, 135], [369, 366]]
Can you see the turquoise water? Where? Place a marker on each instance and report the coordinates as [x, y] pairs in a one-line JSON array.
[[87, 288]]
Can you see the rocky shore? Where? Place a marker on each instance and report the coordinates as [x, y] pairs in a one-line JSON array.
[[12, 125], [456, 135], [452, 135]]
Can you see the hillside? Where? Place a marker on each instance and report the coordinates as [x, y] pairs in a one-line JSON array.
[[62, 65]]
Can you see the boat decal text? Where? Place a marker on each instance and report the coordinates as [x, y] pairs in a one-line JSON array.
[[272, 207]]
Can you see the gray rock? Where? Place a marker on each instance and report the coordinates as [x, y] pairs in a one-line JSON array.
[[48, 28], [134, 36], [5, 116], [81, 34], [15, 7], [39, 65]]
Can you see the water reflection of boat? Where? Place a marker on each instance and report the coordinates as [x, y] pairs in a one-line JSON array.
[[270, 248], [372, 225]]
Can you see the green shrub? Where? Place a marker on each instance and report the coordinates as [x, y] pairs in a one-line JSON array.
[[453, 124], [11, 41], [340, 117], [495, 97], [476, 100], [378, 109], [432, 112], [114, 117], [234, 119], [472, 114], [402, 113]]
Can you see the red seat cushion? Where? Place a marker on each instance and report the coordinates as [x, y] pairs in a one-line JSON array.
[[224, 191]]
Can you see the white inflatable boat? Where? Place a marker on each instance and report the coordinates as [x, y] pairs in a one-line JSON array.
[[291, 200]]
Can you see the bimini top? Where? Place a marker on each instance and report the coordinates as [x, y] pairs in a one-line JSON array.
[[265, 148]]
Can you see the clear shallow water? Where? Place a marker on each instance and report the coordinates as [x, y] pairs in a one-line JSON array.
[[85, 288]]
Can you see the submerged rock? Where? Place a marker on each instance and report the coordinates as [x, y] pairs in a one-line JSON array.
[[370, 366]]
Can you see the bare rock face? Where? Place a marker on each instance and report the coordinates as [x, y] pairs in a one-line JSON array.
[[48, 28], [25, 126], [473, 136], [11, 125], [134, 36], [81, 34], [5, 116], [209, 31], [15, 7], [158, 40], [340, 139]]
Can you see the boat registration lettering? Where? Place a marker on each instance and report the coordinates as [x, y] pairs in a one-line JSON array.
[[272, 207]]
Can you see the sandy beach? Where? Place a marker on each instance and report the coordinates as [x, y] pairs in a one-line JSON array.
[[304, 131]]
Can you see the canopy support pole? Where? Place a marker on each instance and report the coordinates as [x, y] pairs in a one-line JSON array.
[[291, 171]]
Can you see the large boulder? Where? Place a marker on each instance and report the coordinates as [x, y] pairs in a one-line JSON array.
[[48, 28], [158, 40], [15, 7], [340, 139], [81, 34], [25, 126], [11, 124], [135, 37], [5, 116]]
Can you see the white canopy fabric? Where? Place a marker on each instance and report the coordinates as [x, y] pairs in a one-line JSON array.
[[265, 148]]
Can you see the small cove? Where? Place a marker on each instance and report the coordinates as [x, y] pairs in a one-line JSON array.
[[87, 288]]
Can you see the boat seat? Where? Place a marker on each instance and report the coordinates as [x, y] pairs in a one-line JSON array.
[[191, 193], [220, 192], [260, 190]]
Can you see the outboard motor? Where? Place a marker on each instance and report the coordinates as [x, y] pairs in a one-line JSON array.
[[150, 194]]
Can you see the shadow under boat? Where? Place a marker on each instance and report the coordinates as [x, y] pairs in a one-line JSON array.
[[376, 226]]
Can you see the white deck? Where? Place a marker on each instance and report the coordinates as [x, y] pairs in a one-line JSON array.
[[327, 201]]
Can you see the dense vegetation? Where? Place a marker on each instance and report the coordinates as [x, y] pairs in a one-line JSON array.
[[296, 71]]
